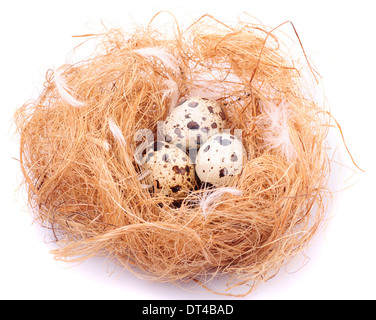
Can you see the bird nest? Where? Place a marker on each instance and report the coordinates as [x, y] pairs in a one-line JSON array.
[[79, 137]]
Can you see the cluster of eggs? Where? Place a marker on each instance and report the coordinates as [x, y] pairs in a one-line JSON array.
[[194, 145]]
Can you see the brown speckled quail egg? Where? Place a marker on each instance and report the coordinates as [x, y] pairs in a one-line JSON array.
[[171, 170], [193, 121], [220, 159]]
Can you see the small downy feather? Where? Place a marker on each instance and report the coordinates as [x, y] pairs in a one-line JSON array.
[[172, 91], [212, 82], [143, 176], [165, 57], [101, 143], [210, 199], [65, 92], [277, 134], [116, 131]]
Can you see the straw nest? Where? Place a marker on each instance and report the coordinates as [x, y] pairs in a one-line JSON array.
[[77, 145]]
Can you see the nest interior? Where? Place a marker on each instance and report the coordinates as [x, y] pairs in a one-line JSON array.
[[77, 145]]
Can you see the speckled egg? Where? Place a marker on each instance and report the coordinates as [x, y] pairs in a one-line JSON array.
[[220, 159], [171, 171], [193, 121]]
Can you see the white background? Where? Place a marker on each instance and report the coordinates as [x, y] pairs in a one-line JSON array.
[[337, 35]]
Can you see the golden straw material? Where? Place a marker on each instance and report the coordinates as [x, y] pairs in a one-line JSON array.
[[78, 140]]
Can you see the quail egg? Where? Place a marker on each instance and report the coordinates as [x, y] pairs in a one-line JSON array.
[[193, 121], [171, 171], [220, 159]]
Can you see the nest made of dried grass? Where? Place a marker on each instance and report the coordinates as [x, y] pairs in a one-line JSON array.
[[77, 144]]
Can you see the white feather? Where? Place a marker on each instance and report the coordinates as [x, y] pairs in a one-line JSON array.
[[104, 144], [116, 131], [172, 91], [65, 92], [144, 175], [146, 186], [212, 82], [165, 57], [210, 199], [277, 134]]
